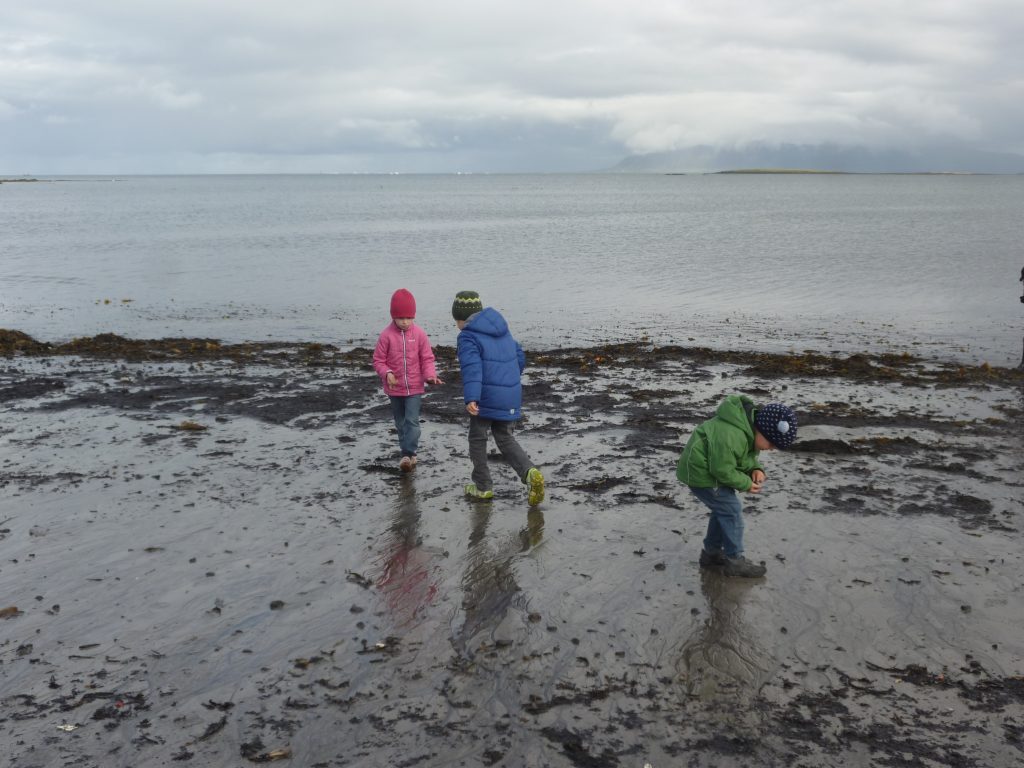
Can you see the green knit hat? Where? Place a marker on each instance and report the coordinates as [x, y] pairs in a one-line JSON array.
[[466, 303]]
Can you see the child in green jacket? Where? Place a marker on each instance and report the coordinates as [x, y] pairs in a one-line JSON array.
[[720, 458]]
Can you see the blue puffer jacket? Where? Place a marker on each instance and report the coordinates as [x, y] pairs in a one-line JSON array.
[[491, 362]]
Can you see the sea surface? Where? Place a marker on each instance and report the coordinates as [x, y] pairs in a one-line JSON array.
[[926, 264]]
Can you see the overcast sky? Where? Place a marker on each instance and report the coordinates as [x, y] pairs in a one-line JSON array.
[[193, 86]]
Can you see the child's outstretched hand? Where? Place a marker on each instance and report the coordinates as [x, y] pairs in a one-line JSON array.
[[473, 408], [758, 478], [435, 381]]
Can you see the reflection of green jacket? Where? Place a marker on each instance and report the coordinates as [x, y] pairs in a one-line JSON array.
[[721, 450]]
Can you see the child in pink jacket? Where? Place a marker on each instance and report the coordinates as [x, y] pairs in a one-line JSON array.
[[404, 361]]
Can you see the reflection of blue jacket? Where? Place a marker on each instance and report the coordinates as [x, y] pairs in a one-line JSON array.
[[491, 362]]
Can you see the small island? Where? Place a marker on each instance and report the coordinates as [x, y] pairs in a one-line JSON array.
[[821, 172], [763, 171]]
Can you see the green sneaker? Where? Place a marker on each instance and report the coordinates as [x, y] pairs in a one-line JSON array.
[[474, 493], [535, 480]]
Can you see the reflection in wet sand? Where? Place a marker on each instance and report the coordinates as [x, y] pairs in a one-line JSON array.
[[408, 578], [723, 655], [489, 580], [141, 563]]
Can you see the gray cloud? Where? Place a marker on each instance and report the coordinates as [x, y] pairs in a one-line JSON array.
[[452, 85]]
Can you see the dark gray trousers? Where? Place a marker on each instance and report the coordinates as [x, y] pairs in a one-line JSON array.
[[507, 445]]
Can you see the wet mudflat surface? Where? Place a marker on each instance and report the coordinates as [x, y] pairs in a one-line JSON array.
[[209, 557]]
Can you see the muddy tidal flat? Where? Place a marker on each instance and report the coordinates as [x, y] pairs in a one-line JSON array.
[[209, 557]]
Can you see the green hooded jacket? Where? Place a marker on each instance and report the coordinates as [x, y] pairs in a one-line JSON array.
[[721, 450]]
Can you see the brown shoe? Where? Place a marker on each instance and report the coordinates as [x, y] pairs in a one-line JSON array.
[[405, 464]]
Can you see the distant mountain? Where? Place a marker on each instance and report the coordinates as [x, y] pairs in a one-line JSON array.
[[822, 157]]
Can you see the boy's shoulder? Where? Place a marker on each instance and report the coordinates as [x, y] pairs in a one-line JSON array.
[[720, 425], [490, 322]]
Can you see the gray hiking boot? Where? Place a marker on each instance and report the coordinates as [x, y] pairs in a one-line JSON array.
[[711, 559], [740, 567]]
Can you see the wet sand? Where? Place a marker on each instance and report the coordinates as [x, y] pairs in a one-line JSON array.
[[209, 557]]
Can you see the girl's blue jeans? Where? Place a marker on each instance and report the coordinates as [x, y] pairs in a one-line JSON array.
[[725, 528], [406, 411]]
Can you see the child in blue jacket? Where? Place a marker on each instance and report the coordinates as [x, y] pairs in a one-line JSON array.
[[492, 362]]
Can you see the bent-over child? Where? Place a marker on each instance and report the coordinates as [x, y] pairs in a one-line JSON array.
[[721, 458]]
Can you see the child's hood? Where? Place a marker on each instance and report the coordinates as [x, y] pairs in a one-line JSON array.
[[734, 411], [489, 322]]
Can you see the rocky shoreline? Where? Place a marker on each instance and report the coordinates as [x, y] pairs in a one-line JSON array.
[[210, 558]]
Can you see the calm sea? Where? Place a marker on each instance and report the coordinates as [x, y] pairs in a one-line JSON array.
[[925, 263]]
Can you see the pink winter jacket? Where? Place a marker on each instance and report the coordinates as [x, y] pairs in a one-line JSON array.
[[408, 355]]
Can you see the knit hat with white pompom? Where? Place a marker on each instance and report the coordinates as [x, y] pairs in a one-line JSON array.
[[777, 422]]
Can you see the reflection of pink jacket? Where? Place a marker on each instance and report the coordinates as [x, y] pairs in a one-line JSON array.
[[408, 355]]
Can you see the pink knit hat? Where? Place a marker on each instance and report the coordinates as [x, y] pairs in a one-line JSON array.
[[402, 304]]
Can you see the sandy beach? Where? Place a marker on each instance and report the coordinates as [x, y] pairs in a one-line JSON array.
[[210, 558]]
